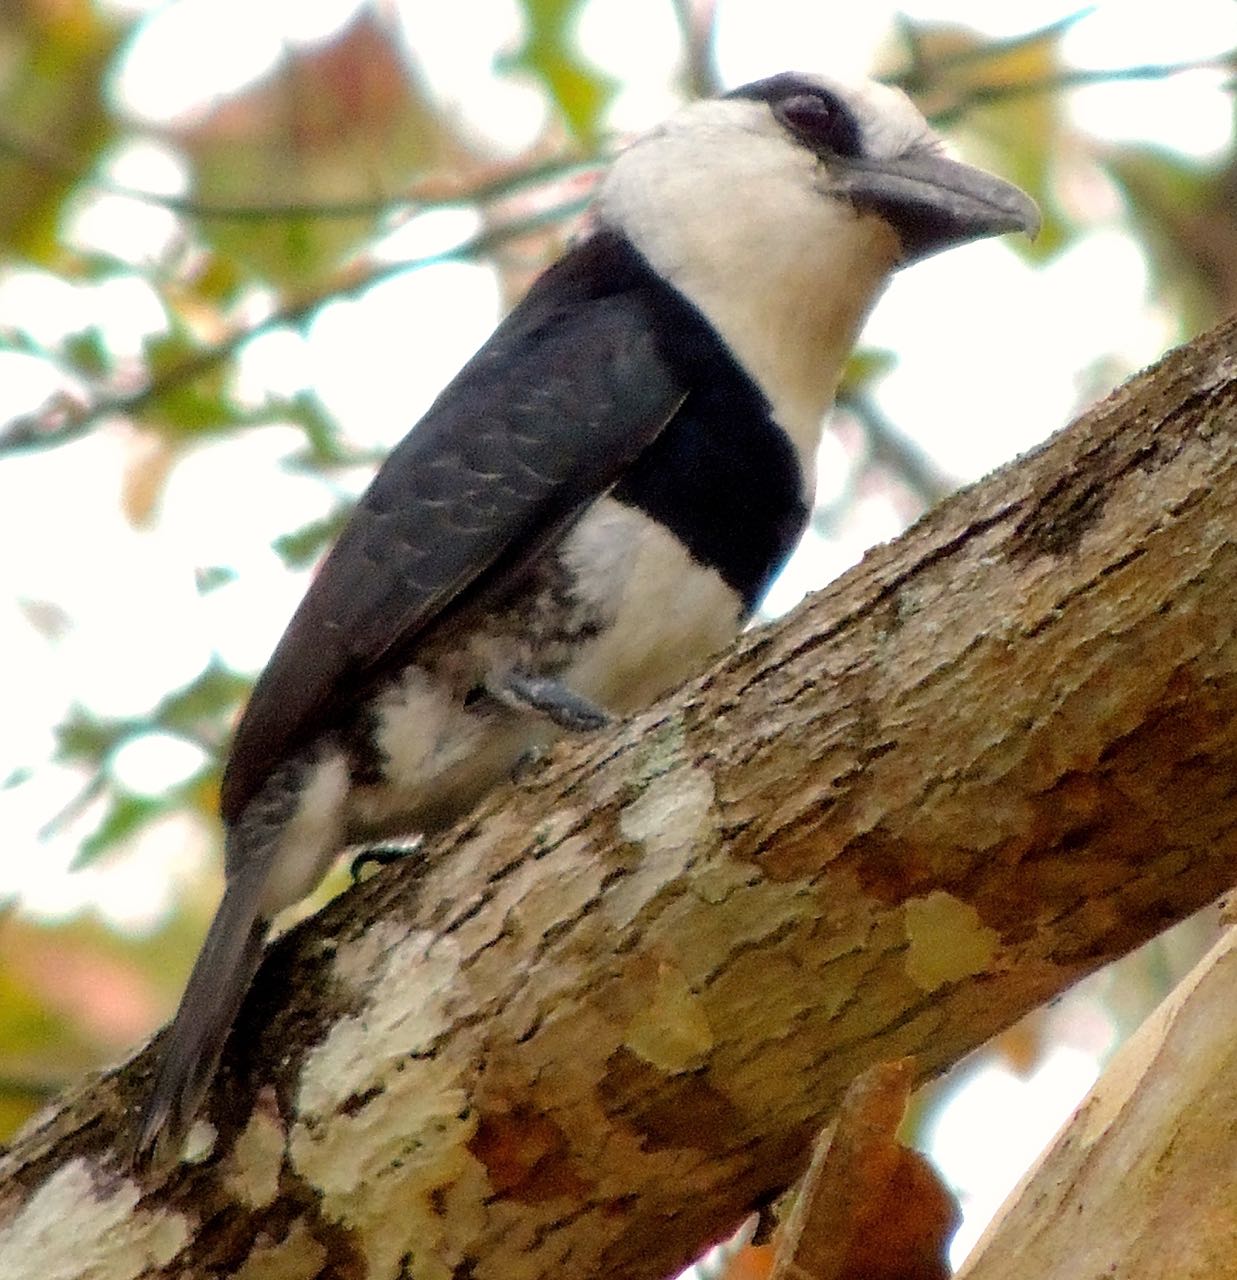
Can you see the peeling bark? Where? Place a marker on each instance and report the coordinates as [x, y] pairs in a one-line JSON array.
[[606, 1016], [868, 1208], [1142, 1180]]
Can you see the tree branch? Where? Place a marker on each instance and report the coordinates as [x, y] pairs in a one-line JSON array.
[[41, 156], [71, 421], [1125, 1157], [603, 1019], [983, 95], [697, 19], [908, 461]]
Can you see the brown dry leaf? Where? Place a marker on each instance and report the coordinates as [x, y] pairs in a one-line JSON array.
[[905, 1230], [150, 461], [869, 1209], [752, 1262], [1021, 1047], [336, 123]]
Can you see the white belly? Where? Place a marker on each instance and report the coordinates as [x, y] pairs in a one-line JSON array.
[[659, 618], [668, 615], [440, 758]]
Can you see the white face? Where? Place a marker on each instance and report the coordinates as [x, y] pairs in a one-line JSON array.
[[889, 122], [730, 207]]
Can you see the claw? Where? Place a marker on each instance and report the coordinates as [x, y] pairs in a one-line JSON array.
[[553, 700], [382, 855]]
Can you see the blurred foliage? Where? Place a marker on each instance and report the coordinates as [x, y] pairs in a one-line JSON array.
[[56, 119], [1185, 217], [343, 122], [293, 183], [971, 87], [579, 91]]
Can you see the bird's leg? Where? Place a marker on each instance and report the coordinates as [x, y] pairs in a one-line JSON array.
[[551, 699], [524, 766], [381, 855]]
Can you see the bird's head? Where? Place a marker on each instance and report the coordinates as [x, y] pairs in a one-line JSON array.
[[877, 153], [782, 208], [861, 153]]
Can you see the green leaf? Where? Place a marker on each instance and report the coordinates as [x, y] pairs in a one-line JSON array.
[[209, 698], [301, 547], [54, 105], [126, 815], [84, 738], [1186, 218], [864, 367], [199, 711], [189, 398], [87, 352], [212, 577], [320, 428], [580, 91], [21, 343]]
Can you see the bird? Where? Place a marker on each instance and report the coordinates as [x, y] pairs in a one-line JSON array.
[[592, 508]]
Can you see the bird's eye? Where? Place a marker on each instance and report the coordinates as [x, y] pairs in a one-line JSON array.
[[820, 121]]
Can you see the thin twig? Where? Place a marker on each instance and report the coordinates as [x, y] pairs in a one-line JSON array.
[[889, 447], [33, 430], [697, 19], [30, 431], [1075, 78], [45, 158], [702, 79], [73, 808]]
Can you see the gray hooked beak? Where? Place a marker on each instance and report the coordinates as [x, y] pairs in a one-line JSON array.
[[933, 202]]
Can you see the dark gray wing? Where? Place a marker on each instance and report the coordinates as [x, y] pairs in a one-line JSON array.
[[547, 415]]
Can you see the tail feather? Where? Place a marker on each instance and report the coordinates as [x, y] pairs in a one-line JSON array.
[[192, 1045]]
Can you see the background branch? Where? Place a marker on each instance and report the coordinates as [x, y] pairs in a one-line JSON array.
[[39, 155], [1125, 1157], [922, 77], [64, 422], [696, 19], [983, 95]]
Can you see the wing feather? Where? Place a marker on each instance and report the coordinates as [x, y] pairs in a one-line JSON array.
[[545, 418]]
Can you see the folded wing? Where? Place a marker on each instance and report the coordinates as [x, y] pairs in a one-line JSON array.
[[544, 419]]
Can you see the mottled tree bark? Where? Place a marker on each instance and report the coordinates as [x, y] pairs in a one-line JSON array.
[[606, 1017], [1142, 1180]]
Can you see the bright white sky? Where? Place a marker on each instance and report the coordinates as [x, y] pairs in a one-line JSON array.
[[968, 327]]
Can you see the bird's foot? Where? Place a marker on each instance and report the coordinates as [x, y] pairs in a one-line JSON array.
[[527, 763], [381, 855], [553, 700]]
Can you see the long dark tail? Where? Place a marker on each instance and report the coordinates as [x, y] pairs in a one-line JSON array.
[[191, 1046]]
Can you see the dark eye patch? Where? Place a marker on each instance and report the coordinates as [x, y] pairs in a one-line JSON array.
[[821, 121], [818, 118]]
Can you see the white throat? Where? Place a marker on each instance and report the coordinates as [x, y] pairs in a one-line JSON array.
[[695, 210]]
